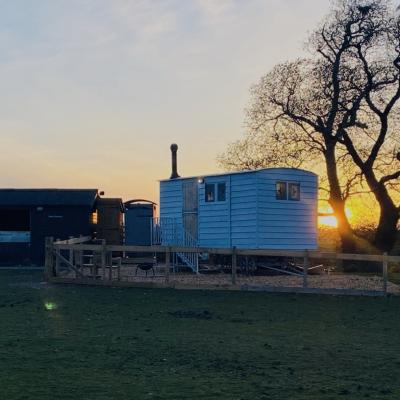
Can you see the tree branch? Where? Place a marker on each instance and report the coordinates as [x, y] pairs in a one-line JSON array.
[[390, 177]]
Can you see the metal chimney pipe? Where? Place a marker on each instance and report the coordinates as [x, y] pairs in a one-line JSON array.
[[174, 149]]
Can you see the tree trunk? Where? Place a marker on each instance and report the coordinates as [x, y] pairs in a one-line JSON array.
[[386, 232], [337, 202]]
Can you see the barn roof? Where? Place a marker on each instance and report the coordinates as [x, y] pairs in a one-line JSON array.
[[48, 197]]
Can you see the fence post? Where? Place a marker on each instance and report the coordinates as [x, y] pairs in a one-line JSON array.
[[119, 268], [234, 265], [103, 258], [71, 257], [306, 265], [385, 272], [48, 262], [167, 263], [58, 252], [80, 258]]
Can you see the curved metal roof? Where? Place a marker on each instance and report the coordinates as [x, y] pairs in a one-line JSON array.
[[249, 171]]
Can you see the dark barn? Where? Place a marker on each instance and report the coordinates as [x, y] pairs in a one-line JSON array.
[[28, 216]]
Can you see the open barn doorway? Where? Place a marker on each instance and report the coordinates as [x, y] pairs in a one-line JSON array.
[[15, 235], [14, 220]]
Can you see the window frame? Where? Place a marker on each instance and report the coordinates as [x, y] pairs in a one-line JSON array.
[[290, 197], [215, 191], [209, 185], [218, 185], [285, 196]]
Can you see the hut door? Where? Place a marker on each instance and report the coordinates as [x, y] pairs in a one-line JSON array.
[[190, 207]]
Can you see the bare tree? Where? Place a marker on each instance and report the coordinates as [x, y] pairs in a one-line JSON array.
[[260, 150], [319, 108], [374, 82]]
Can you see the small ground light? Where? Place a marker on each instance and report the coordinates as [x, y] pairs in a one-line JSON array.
[[50, 306]]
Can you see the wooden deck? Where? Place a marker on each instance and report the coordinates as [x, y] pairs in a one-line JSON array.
[[108, 266]]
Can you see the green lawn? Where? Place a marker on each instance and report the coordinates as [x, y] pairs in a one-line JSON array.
[[101, 343]]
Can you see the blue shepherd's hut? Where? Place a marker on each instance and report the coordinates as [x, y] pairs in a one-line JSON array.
[[271, 208]]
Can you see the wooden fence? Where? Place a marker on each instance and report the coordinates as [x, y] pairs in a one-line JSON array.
[[71, 253]]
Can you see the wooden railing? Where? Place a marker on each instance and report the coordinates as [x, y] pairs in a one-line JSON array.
[[77, 240], [77, 248], [167, 232]]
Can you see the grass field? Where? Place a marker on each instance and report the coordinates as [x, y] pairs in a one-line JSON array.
[[69, 342]]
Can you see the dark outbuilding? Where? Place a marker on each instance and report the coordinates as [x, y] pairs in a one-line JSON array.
[[110, 225], [27, 216], [138, 217]]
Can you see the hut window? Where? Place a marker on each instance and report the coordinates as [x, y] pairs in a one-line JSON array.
[[294, 191], [281, 192], [210, 192], [221, 192]]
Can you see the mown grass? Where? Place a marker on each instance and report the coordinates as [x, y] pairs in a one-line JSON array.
[[101, 343]]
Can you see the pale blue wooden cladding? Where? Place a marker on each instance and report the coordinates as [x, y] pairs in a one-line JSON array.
[[244, 210], [171, 199], [250, 215], [214, 217], [287, 224]]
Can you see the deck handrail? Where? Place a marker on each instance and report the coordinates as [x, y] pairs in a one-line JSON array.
[[77, 240], [167, 231]]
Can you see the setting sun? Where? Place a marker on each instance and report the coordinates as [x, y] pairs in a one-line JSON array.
[[330, 220]]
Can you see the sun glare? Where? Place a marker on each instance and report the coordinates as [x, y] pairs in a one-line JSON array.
[[49, 306], [330, 220]]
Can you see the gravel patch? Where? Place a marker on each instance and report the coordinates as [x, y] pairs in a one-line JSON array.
[[348, 281], [323, 281]]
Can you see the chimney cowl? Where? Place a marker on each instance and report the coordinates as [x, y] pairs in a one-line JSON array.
[[174, 149]]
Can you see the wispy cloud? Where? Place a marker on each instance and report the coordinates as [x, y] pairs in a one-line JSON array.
[[215, 10], [146, 19], [105, 85]]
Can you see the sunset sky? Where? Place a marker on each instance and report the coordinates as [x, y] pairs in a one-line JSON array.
[[94, 91]]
